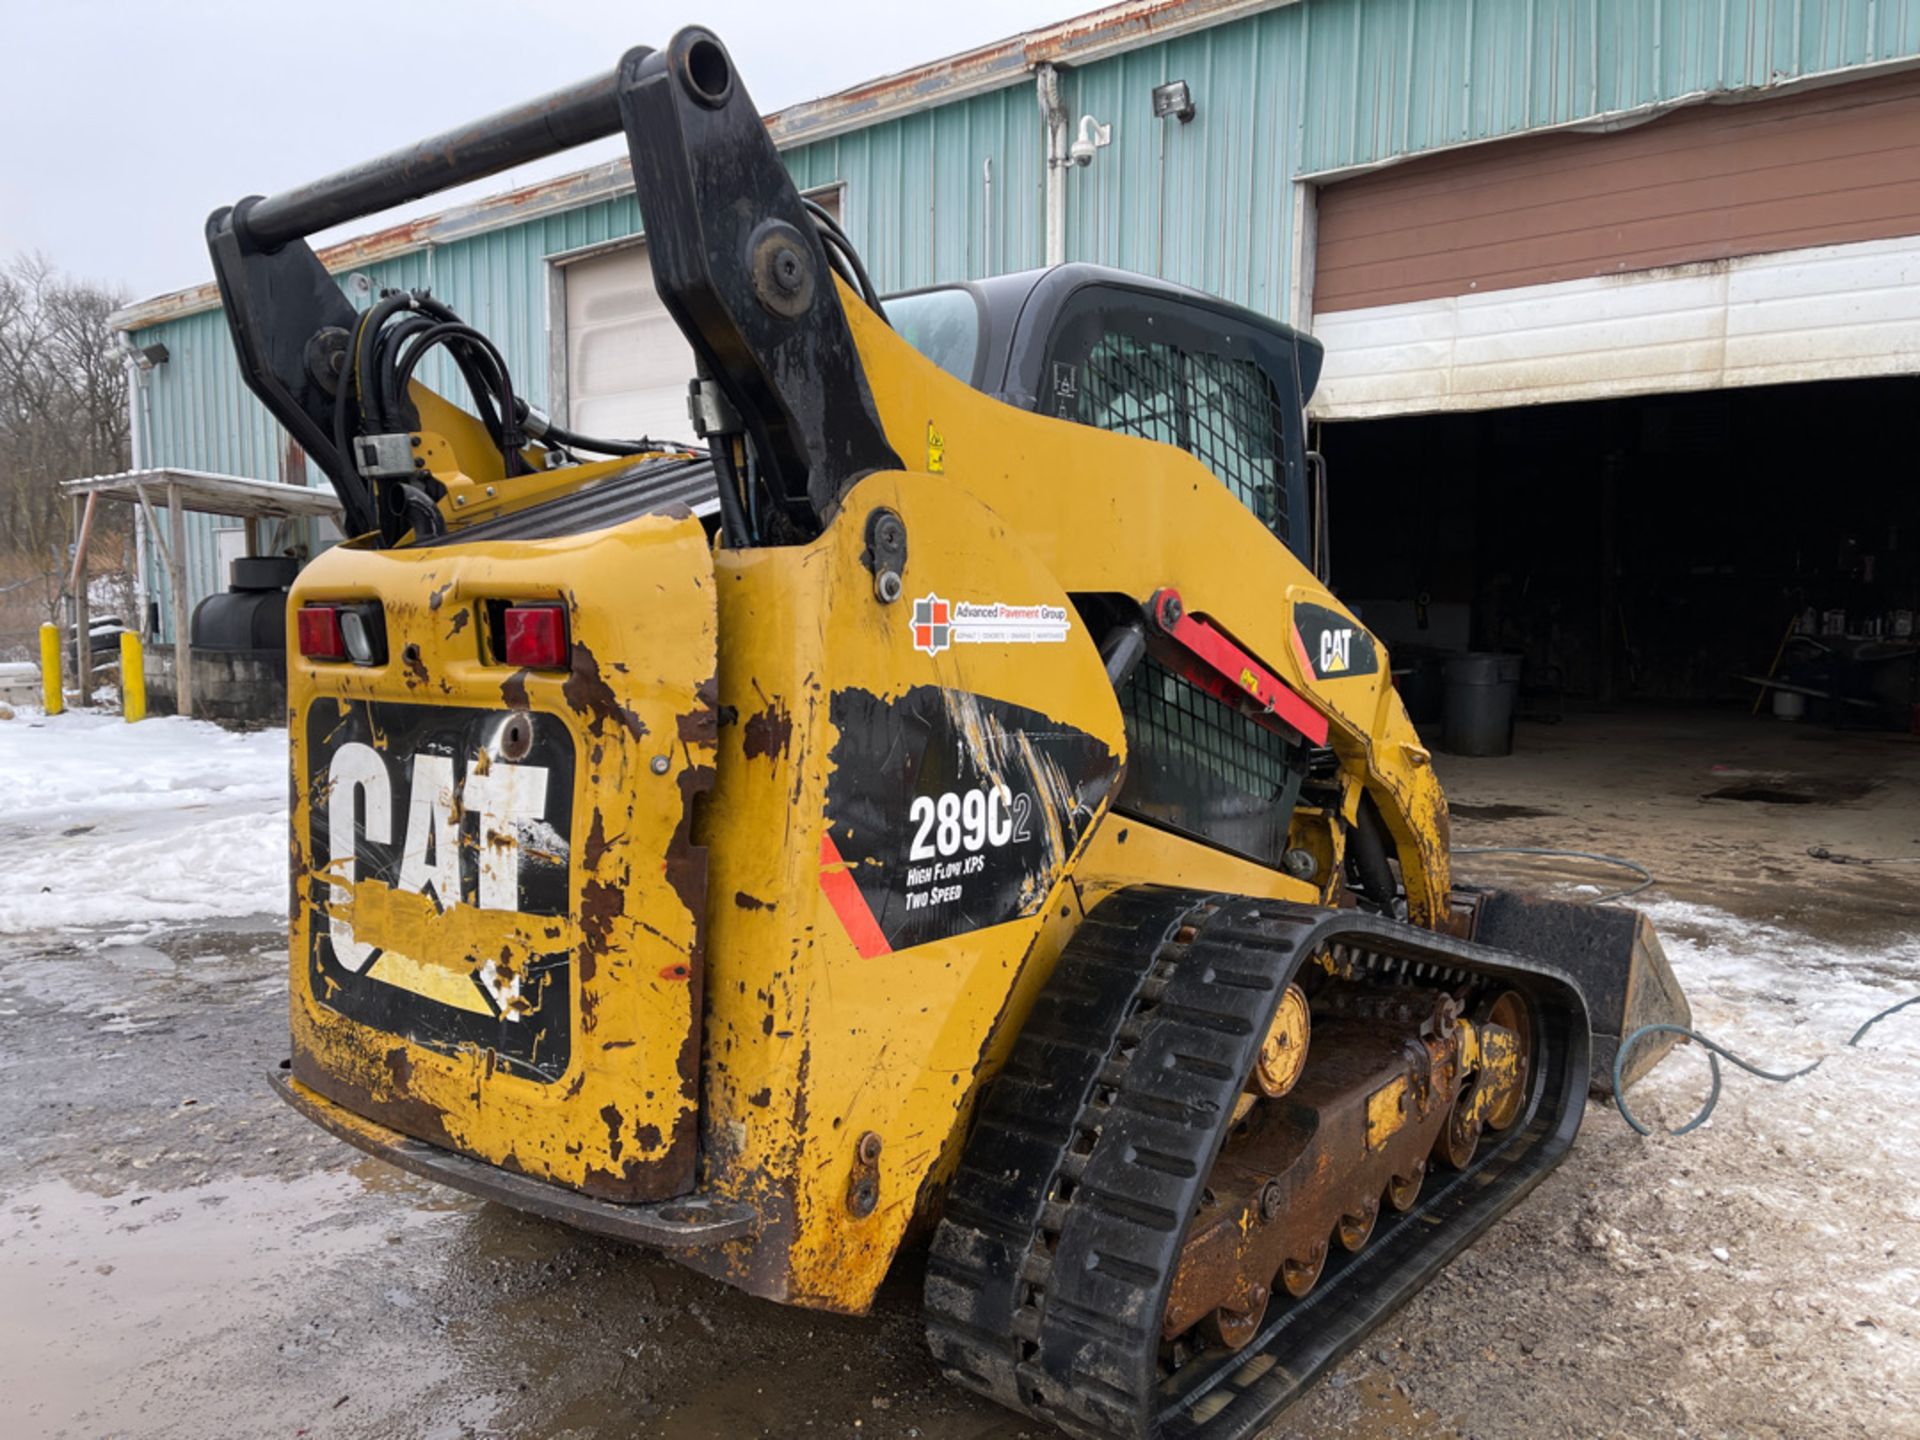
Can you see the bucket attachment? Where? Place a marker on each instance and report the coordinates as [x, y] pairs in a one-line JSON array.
[[1611, 953]]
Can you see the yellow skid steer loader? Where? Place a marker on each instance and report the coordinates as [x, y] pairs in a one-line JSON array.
[[948, 792]]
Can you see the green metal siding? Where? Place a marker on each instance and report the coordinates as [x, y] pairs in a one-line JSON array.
[[1208, 202], [1297, 90], [916, 198], [1412, 75]]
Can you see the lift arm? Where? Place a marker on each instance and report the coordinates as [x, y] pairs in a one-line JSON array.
[[736, 260]]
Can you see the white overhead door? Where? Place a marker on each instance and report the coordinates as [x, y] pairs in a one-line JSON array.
[[627, 362], [1741, 244]]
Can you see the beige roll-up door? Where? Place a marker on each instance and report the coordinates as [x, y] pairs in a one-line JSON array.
[[1762, 243], [627, 363]]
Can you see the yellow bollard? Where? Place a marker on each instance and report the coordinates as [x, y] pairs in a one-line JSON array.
[[50, 668], [133, 677]]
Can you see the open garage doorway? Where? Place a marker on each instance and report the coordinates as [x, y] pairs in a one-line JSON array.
[[1672, 549]]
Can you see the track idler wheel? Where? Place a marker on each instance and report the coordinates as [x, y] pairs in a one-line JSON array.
[[1299, 1276], [1403, 1190], [1510, 1013], [1235, 1329], [1353, 1231], [1500, 1039], [1283, 1054]]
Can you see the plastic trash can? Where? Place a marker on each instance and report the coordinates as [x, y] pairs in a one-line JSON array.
[[1482, 687]]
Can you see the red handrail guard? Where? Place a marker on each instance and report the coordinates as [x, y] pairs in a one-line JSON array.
[[1247, 677]]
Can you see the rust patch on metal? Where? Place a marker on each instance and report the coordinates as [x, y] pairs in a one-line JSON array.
[[408, 1115], [400, 1066], [763, 1097], [767, 732], [513, 691], [600, 905], [614, 1119], [751, 902], [588, 693], [701, 725], [686, 866], [648, 1137], [460, 618], [415, 664], [439, 594]]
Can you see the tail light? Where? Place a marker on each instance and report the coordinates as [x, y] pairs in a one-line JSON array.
[[534, 637], [320, 637], [343, 632]]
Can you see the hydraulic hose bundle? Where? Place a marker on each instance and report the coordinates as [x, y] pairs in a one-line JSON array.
[[395, 335]]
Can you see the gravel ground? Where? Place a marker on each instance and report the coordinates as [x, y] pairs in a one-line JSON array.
[[180, 1256]]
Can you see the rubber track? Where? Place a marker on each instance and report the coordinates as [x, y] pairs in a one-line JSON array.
[[1050, 1269]]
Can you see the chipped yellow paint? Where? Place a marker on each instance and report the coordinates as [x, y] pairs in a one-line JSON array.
[[809, 1044], [1386, 1112], [630, 1089]]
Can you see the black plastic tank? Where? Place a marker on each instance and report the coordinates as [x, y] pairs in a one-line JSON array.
[[250, 617]]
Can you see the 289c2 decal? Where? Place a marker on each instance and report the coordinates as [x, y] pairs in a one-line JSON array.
[[967, 820], [949, 812]]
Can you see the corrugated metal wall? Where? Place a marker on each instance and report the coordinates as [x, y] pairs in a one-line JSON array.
[[917, 203], [1314, 86], [1410, 75]]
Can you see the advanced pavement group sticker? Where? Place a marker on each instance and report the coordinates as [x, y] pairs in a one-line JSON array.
[[939, 624]]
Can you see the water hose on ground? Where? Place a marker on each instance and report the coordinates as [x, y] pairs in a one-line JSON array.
[[1715, 1052]]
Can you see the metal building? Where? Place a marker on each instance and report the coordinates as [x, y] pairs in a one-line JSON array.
[[1483, 207]]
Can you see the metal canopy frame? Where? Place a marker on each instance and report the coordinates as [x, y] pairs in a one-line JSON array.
[[181, 491]]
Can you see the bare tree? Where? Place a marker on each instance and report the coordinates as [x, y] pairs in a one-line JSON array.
[[63, 412]]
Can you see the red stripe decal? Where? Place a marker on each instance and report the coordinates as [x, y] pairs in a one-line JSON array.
[[843, 893], [1300, 652], [1246, 674]]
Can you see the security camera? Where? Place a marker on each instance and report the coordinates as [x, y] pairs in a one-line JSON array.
[[1093, 135]]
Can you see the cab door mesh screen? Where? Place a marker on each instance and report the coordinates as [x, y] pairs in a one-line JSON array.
[[1221, 411], [1200, 766]]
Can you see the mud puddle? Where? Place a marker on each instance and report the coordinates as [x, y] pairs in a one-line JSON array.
[[111, 1301]]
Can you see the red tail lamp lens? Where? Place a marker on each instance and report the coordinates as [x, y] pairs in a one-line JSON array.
[[320, 637], [534, 637]]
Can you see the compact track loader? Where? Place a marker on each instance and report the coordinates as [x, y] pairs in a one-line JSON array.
[[948, 797]]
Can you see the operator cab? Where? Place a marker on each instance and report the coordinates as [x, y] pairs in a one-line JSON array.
[[1139, 356]]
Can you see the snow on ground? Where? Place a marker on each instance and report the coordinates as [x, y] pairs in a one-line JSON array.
[[1780, 1000], [1834, 1154], [103, 823]]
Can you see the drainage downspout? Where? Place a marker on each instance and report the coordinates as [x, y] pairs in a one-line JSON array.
[[986, 216], [139, 425], [1047, 82]]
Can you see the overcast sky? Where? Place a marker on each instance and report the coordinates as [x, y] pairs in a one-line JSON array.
[[124, 124]]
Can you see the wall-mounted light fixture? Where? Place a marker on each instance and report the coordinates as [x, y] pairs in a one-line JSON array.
[[1173, 100], [1093, 136], [148, 356]]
